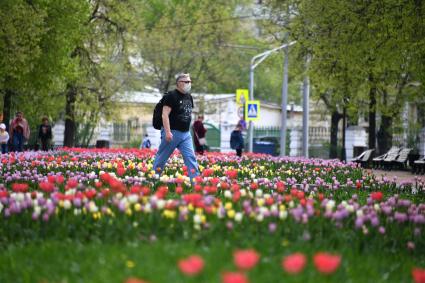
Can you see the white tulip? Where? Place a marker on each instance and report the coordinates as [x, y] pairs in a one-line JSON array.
[[238, 217]]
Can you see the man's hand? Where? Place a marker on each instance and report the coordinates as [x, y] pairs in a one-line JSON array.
[[168, 136], [166, 110]]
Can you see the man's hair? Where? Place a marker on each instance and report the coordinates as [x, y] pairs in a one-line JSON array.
[[18, 112], [181, 75]]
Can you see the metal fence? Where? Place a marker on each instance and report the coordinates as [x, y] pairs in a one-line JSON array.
[[272, 134], [213, 136]]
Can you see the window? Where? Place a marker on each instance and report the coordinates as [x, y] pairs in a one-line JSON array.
[[120, 131]]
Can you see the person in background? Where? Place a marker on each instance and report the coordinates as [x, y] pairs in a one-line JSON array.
[[242, 123], [236, 140], [19, 131], [4, 138], [146, 143], [199, 132], [45, 134]]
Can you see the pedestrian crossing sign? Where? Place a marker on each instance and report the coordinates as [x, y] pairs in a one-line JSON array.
[[241, 96], [252, 110]]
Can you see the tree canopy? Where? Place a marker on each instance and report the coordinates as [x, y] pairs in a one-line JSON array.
[[69, 58]]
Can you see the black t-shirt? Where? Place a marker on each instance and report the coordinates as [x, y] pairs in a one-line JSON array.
[[45, 132], [181, 110]]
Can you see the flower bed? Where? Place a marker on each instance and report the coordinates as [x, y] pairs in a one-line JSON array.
[[115, 195]]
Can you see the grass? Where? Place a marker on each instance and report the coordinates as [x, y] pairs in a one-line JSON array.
[[96, 260]]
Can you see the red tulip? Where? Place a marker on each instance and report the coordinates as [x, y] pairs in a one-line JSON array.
[[146, 191], [60, 179], [46, 187], [214, 181], [236, 196], [207, 172], [20, 187], [253, 186], [192, 265], [161, 192], [72, 183], [105, 177], [235, 187], [90, 194], [120, 171], [179, 190], [294, 263], [232, 174], [269, 201], [300, 194], [245, 259], [51, 179], [280, 186], [135, 189], [234, 277], [197, 188], [418, 275], [4, 194], [224, 185], [358, 184], [377, 196], [326, 263]]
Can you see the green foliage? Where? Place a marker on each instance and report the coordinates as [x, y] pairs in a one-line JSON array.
[[132, 144], [356, 46], [172, 40], [208, 39], [35, 53], [20, 36]]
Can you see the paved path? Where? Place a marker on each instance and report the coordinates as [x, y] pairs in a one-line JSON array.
[[401, 176]]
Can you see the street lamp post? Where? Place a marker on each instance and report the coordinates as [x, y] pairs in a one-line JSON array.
[[284, 104], [255, 61]]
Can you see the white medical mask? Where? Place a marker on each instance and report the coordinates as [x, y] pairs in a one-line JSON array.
[[187, 88]]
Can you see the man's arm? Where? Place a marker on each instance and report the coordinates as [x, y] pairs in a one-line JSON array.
[[166, 110]]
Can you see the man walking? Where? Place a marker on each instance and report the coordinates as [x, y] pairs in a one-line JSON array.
[[176, 118]]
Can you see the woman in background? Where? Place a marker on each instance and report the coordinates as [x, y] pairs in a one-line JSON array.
[[236, 140]]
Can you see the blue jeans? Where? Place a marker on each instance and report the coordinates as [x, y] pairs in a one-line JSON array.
[[18, 141], [183, 142], [4, 148]]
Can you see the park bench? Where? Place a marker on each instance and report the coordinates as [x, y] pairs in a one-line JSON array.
[[364, 158], [400, 161], [418, 166], [378, 162]]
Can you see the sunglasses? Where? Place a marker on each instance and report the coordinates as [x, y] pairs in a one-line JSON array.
[[186, 82]]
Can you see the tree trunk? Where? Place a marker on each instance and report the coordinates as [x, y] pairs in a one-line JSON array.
[[385, 135], [372, 117], [70, 126], [333, 152], [344, 125], [7, 105]]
